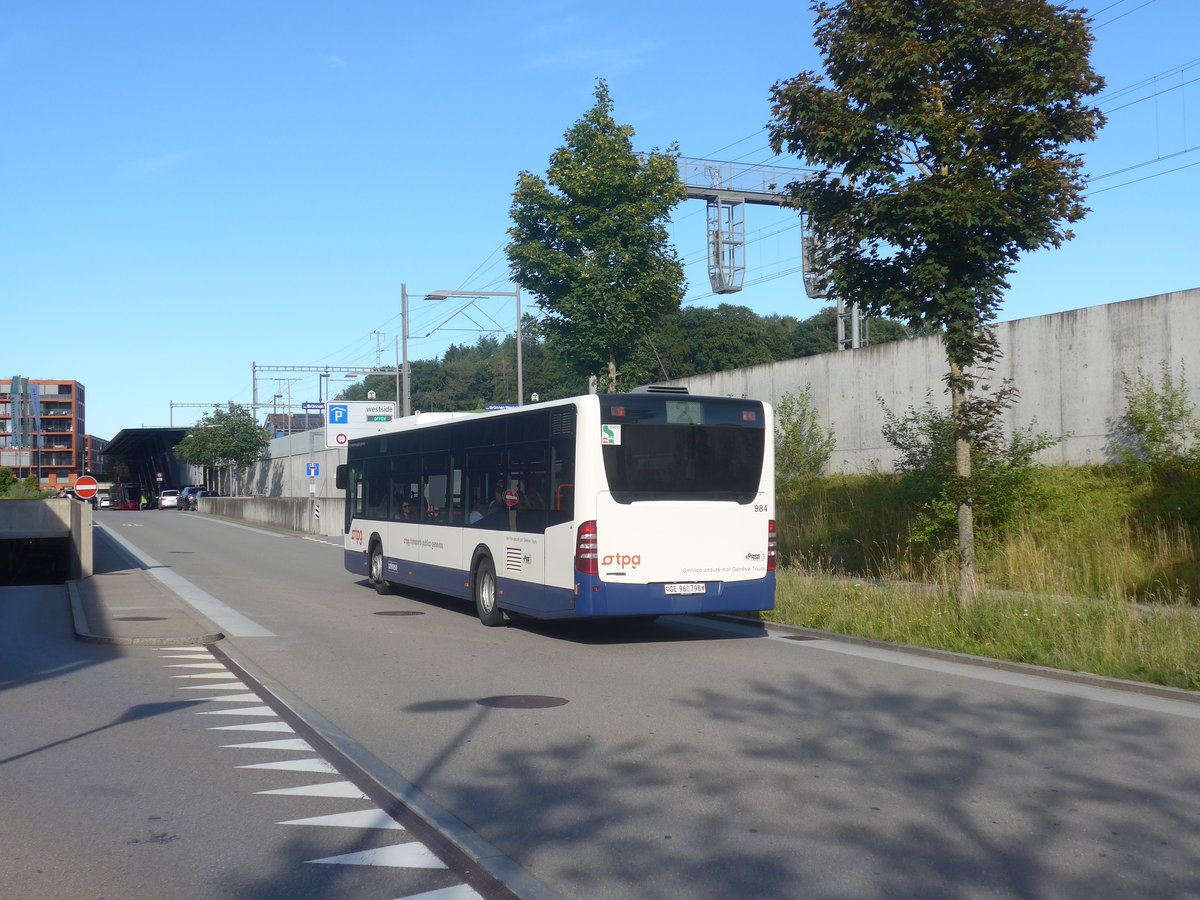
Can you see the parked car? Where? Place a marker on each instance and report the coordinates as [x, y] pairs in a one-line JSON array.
[[186, 499], [168, 500], [105, 501]]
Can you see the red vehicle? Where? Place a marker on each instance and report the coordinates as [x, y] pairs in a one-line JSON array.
[[126, 496]]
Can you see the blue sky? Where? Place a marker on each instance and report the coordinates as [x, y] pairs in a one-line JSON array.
[[190, 188]]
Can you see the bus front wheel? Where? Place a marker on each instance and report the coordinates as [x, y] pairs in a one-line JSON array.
[[376, 571], [484, 589]]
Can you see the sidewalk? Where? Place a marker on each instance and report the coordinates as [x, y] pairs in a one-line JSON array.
[[124, 604]]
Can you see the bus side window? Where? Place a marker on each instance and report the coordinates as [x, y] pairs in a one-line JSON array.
[[435, 482], [562, 480], [405, 484], [483, 479], [377, 488]]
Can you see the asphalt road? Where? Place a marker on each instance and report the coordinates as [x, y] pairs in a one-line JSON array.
[[691, 758]]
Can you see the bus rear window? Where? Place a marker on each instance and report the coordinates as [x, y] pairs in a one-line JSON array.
[[667, 448]]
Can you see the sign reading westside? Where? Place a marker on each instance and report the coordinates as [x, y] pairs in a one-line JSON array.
[[348, 419]]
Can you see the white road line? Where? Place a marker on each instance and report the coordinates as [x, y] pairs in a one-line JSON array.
[[1045, 684], [219, 613], [273, 534]]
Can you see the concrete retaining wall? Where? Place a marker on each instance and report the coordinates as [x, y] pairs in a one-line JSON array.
[[290, 513], [1067, 367], [52, 519]]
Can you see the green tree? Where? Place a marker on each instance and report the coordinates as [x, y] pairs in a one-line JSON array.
[[7, 480], [944, 133], [590, 242], [227, 438]]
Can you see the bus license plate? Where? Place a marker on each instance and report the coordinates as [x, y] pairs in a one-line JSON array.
[[685, 588]]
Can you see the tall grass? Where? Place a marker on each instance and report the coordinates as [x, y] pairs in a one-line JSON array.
[[1102, 636], [1098, 573], [1097, 531]]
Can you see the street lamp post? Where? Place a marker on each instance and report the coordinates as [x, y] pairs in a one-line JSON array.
[[406, 394]]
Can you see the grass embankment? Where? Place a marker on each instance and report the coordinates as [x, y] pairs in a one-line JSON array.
[[1098, 574]]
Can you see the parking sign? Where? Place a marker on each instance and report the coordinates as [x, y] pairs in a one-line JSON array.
[[351, 419]]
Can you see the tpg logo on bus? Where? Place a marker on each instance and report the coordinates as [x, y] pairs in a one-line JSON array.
[[622, 560]]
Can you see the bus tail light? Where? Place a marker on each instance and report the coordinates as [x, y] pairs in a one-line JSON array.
[[586, 559], [771, 545]]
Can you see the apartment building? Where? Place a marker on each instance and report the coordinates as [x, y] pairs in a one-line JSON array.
[[42, 430]]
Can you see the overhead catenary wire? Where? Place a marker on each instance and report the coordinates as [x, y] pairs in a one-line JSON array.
[[490, 272]]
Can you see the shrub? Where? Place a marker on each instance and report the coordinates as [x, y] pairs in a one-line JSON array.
[[802, 446], [1001, 467], [1158, 433]]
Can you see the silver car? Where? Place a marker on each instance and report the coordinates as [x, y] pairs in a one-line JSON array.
[[168, 500]]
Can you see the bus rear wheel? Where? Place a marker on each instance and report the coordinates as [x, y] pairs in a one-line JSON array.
[[483, 588], [376, 571]]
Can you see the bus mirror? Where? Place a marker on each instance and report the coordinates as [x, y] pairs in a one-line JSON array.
[[340, 479]]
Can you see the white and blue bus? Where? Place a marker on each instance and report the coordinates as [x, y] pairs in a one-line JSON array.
[[640, 504]]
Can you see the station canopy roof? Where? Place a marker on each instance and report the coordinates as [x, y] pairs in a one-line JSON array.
[[144, 443]]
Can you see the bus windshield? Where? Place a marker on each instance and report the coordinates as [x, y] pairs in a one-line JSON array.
[[681, 448]]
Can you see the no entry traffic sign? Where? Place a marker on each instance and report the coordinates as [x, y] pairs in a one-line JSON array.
[[85, 487]]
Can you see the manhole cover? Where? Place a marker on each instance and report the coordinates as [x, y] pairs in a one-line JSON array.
[[400, 612], [522, 701], [141, 618]]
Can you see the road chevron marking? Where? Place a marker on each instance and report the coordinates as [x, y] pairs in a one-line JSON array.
[[343, 789], [257, 726], [197, 665], [286, 744], [226, 686], [401, 856], [244, 711], [359, 818], [228, 698], [316, 764], [228, 675], [411, 855], [457, 892]]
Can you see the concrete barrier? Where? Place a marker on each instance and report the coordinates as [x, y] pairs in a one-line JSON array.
[[1067, 366], [52, 520], [287, 513]]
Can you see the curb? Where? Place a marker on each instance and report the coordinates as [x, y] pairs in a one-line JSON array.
[[83, 630], [1163, 691]]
